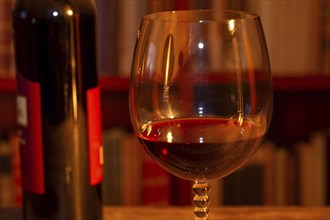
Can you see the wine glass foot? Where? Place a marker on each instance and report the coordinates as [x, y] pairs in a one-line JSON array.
[[201, 189]]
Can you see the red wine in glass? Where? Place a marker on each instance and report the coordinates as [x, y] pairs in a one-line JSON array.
[[192, 148]]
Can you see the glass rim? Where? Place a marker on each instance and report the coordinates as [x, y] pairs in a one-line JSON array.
[[200, 15]]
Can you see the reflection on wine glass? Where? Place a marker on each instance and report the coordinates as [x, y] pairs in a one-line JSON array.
[[200, 93]]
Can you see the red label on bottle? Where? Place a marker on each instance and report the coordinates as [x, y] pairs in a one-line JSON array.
[[95, 135], [29, 121]]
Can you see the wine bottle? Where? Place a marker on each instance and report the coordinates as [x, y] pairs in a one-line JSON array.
[[58, 109]]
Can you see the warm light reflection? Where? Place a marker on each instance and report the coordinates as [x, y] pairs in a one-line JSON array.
[[200, 111], [164, 151], [231, 25], [146, 128], [169, 137], [169, 42], [240, 119], [75, 100], [69, 12], [200, 45]]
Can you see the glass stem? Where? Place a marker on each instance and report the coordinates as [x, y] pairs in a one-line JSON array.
[[201, 189]]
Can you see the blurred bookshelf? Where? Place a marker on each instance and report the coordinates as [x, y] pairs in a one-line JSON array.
[[294, 156]]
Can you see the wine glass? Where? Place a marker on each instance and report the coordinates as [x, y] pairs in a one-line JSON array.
[[200, 93]]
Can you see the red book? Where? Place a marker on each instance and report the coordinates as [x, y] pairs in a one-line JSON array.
[[16, 170], [155, 184], [181, 191]]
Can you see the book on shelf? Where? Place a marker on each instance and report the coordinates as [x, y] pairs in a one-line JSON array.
[[319, 144], [7, 66], [16, 170], [107, 36], [155, 183], [122, 182], [130, 15], [131, 176], [312, 157], [111, 186], [280, 174], [297, 32], [253, 184], [275, 175], [305, 170], [6, 189], [181, 191], [293, 35], [10, 172], [325, 37]]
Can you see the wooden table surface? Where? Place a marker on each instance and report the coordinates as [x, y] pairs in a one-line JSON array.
[[216, 213]]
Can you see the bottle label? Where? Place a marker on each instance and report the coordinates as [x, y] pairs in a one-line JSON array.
[[30, 131], [95, 135]]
